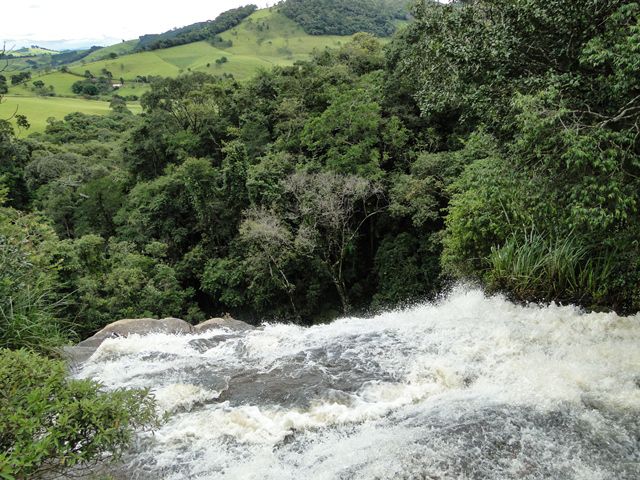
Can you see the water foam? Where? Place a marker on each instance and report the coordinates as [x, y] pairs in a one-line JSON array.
[[470, 387]]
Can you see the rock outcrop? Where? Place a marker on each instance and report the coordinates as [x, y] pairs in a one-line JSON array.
[[122, 328], [81, 352], [229, 323], [139, 326]]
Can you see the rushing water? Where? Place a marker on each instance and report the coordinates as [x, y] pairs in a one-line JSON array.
[[468, 388]]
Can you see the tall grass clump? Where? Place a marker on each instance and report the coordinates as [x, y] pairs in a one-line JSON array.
[[27, 304], [534, 267]]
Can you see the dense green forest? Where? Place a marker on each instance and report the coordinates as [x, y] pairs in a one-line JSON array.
[[366, 178], [346, 17], [363, 178]]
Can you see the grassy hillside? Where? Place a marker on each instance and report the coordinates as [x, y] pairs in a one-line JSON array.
[[60, 81], [265, 39], [122, 48], [30, 51], [38, 109]]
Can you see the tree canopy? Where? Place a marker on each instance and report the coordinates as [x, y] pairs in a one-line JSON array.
[[345, 17], [366, 177]]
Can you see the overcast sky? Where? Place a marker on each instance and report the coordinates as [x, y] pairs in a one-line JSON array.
[[75, 23]]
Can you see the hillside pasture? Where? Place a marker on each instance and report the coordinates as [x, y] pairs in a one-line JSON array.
[[38, 109], [263, 40]]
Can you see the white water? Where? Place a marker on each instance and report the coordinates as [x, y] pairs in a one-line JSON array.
[[469, 388]]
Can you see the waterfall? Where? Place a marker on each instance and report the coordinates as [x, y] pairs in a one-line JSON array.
[[469, 387]]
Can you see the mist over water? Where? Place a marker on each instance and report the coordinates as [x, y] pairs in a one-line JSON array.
[[468, 388]]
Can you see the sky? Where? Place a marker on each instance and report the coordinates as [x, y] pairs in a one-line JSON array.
[[80, 23]]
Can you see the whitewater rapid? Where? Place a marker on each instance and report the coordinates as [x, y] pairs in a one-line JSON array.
[[470, 387]]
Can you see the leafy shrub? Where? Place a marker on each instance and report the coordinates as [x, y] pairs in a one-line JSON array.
[[49, 424]]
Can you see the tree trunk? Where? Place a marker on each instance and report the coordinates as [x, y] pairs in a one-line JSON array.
[[342, 293]]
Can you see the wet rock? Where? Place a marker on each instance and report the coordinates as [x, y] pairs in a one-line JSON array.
[[77, 355], [228, 323], [141, 326]]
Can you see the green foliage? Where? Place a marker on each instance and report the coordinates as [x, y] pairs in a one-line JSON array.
[[365, 176], [182, 207], [535, 267], [344, 17], [51, 425], [517, 47], [13, 158], [351, 136], [29, 304], [564, 124], [92, 86], [407, 268], [20, 78], [114, 280]]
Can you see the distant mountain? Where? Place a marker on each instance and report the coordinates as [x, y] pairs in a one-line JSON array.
[[346, 17], [60, 45]]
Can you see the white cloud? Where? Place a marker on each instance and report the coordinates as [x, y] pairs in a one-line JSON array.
[[25, 22]]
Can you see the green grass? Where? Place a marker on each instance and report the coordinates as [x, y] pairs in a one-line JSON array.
[[132, 88], [533, 266], [38, 109], [263, 40], [61, 82], [22, 52], [122, 48], [166, 63]]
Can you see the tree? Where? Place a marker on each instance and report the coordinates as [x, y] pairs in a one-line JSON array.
[[351, 136], [551, 210], [330, 211], [22, 122], [3, 86], [269, 247]]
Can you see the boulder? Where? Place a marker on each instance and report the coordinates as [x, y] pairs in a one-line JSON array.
[[139, 326], [122, 328], [228, 323], [77, 355]]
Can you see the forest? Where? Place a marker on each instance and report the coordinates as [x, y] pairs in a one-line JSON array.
[[346, 17], [367, 178]]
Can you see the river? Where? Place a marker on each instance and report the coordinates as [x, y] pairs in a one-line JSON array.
[[469, 387]]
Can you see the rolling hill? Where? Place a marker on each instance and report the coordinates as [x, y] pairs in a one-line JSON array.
[[264, 39]]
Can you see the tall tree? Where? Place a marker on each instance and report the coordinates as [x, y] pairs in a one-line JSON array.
[[330, 211]]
